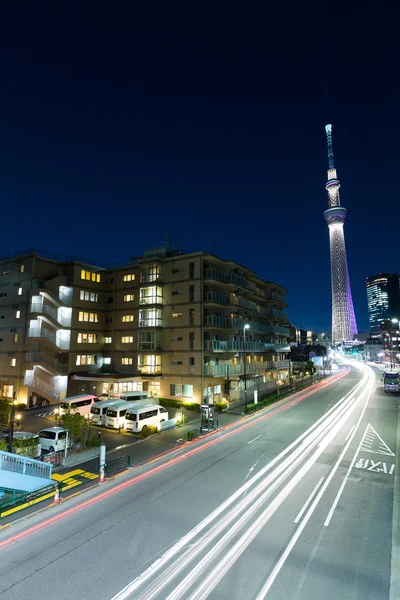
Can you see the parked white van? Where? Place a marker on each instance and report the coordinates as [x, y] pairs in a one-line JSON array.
[[78, 404], [98, 411], [54, 438], [115, 415], [131, 396], [141, 415]]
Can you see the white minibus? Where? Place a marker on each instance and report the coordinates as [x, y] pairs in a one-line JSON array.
[[131, 396], [141, 415], [78, 404], [115, 414], [98, 411]]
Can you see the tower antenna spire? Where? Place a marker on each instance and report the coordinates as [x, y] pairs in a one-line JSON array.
[[328, 129]]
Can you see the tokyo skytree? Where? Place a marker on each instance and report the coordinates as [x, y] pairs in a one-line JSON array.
[[343, 318]]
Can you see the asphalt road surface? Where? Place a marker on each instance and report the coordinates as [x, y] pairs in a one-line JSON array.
[[292, 503]]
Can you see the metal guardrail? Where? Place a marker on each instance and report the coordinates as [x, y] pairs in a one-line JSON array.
[[16, 463], [119, 464], [277, 397], [13, 498]]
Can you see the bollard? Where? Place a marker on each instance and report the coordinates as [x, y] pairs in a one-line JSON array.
[[57, 495], [102, 462]]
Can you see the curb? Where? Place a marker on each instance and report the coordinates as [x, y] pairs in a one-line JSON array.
[[394, 593]]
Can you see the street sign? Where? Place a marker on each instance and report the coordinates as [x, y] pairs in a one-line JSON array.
[[311, 354]]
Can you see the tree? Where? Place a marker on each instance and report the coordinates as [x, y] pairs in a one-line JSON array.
[[310, 367], [80, 429]]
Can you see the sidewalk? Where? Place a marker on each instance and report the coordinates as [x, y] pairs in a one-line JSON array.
[[395, 562]]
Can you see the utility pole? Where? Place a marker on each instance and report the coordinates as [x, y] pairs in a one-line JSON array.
[[11, 427], [245, 326]]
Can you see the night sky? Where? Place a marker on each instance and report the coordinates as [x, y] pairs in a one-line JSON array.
[[120, 127]]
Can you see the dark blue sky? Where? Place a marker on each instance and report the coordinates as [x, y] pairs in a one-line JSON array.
[[117, 128]]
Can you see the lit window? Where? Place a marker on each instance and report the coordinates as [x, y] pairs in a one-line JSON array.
[[129, 297], [22, 268], [13, 362], [107, 340], [15, 338], [177, 315], [127, 318], [126, 361], [129, 277], [91, 317], [87, 338], [127, 339], [88, 275], [107, 360], [17, 314], [20, 291], [177, 389], [86, 359]]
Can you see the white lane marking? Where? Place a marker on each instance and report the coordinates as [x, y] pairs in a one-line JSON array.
[[187, 539], [311, 496], [349, 434], [363, 463], [266, 587], [256, 438], [371, 437]]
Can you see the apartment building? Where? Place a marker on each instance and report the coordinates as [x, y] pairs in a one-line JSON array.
[[178, 325]]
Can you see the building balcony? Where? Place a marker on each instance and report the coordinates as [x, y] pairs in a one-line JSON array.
[[150, 323], [281, 364], [215, 321], [215, 298], [232, 346], [231, 370], [53, 313], [150, 300], [43, 333], [42, 358], [36, 382], [149, 369]]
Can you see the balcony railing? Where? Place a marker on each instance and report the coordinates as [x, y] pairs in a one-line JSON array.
[[281, 364], [232, 346], [38, 307], [150, 323], [278, 297], [282, 347], [215, 298], [33, 381], [149, 369], [214, 320], [151, 300], [229, 370], [24, 465], [43, 357], [41, 332]]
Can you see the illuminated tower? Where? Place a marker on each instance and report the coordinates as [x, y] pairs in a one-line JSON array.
[[343, 318]]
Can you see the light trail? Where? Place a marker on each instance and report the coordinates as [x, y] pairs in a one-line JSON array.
[[88, 503]]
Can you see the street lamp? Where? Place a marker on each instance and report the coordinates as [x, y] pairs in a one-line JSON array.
[[245, 326]]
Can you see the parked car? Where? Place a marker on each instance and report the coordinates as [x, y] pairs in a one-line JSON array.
[[54, 438]]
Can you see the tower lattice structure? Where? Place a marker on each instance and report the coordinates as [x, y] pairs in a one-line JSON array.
[[343, 318]]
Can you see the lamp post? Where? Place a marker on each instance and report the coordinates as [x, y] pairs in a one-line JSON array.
[[245, 326]]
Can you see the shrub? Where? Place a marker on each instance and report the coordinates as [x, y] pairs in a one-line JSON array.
[[20, 406], [191, 435], [192, 406], [219, 406], [168, 402], [4, 445]]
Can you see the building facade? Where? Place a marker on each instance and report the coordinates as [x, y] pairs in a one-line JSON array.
[[383, 295], [170, 323]]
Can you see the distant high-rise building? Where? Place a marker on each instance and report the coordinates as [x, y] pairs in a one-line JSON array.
[[343, 319], [383, 294]]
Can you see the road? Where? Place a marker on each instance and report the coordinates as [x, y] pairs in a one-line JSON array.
[[292, 503]]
